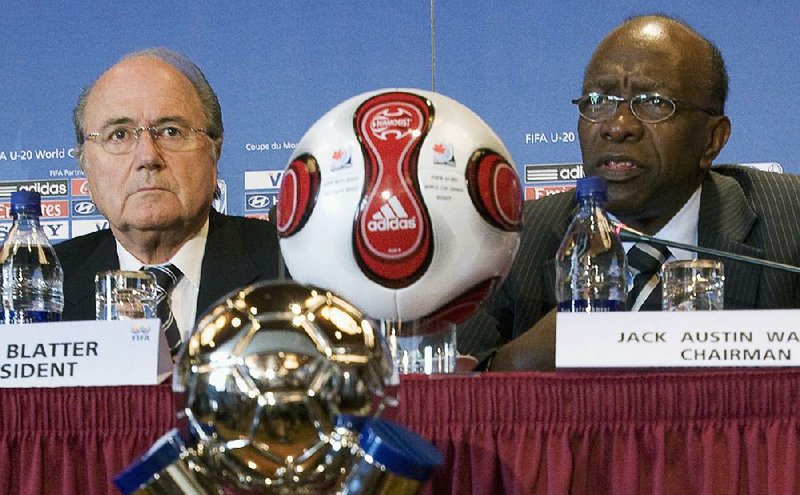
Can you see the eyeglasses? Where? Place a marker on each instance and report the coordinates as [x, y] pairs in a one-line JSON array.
[[647, 107], [122, 139]]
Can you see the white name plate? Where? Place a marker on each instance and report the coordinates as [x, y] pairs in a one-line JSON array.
[[747, 338], [83, 353]]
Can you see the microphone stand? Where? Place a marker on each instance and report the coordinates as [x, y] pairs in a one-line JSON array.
[[632, 235]]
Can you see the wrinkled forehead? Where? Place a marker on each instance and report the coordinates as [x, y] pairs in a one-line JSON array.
[[142, 90], [637, 69], [648, 58]]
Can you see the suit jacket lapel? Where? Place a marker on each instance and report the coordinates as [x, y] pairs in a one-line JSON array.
[[227, 265], [725, 223], [102, 258]]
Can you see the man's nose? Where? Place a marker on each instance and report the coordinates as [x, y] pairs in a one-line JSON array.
[[146, 152], [622, 126]]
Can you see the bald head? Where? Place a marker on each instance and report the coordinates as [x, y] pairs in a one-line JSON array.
[[182, 64], [679, 45], [654, 165], [150, 163]]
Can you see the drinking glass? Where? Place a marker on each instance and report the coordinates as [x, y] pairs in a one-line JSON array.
[[121, 295], [693, 285]]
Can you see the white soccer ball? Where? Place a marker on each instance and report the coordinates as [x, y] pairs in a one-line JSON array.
[[404, 202]]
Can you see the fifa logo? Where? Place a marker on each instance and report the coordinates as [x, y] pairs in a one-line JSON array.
[[140, 333]]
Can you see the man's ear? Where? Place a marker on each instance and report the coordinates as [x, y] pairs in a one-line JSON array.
[[81, 155], [718, 130], [217, 144]]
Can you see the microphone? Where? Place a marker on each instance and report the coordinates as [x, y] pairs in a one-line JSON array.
[[632, 235]]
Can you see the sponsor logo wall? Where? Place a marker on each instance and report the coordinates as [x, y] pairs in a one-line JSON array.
[[273, 85], [261, 192], [55, 205]]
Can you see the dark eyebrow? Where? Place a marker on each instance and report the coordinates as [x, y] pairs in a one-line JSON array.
[[611, 85], [601, 84], [651, 87]]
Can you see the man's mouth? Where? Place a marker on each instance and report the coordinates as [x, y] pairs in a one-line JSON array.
[[618, 169], [149, 190]]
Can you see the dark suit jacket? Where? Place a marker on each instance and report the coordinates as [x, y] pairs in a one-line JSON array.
[[742, 211], [239, 251]]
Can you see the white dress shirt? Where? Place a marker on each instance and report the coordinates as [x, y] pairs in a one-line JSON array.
[[681, 228], [189, 260]]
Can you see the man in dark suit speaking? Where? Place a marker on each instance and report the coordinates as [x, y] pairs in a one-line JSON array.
[[651, 122], [149, 134]]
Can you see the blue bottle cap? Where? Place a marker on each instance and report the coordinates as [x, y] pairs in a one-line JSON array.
[[164, 452], [351, 422], [402, 452], [26, 200], [591, 186]]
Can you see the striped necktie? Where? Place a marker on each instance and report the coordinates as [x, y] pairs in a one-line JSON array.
[[644, 261], [167, 277]]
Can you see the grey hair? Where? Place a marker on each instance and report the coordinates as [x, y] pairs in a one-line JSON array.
[[208, 98]]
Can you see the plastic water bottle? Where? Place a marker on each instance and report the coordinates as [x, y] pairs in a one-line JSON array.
[[591, 269], [32, 278]]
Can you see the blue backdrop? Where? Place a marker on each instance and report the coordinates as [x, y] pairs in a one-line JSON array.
[[279, 65]]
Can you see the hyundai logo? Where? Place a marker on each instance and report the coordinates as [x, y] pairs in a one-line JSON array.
[[258, 201], [83, 207]]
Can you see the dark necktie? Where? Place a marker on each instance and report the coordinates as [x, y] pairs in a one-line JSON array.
[[644, 261], [167, 277]]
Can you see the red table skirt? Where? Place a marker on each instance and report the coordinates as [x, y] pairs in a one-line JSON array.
[[700, 432]]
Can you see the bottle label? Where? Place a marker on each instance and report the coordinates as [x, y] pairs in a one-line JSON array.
[[596, 306], [20, 317]]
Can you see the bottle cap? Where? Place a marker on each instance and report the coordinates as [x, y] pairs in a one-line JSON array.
[[350, 422], [164, 452], [591, 186], [26, 200], [400, 451]]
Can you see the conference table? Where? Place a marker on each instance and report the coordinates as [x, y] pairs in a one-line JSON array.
[[590, 432]]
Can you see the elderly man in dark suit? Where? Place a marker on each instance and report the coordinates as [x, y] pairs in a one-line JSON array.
[[149, 134], [651, 123]]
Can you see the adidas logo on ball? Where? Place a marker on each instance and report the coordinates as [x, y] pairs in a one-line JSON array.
[[383, 225], [389, 244], [391, 217]]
